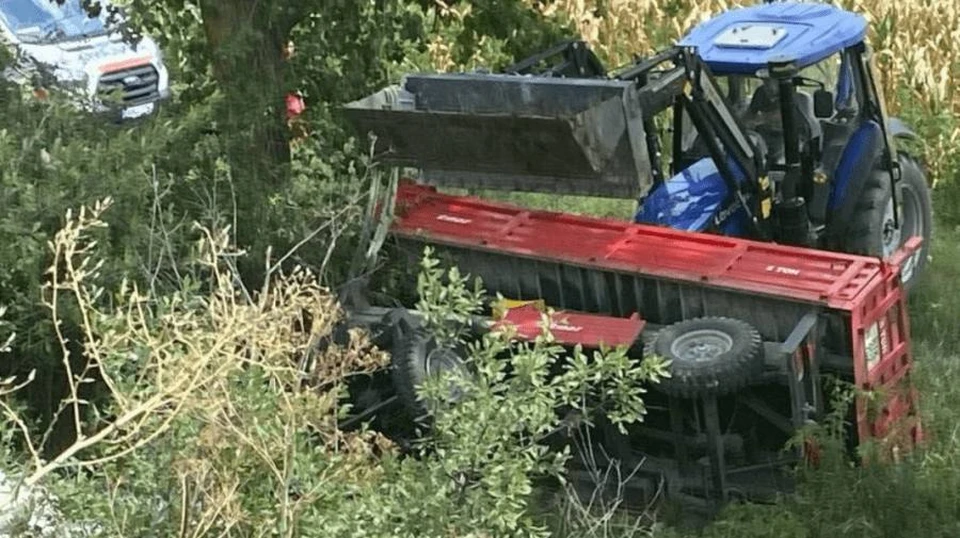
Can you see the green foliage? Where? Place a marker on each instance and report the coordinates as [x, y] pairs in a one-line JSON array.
[[446, 304], [492, 33], [222, 420], [226, 56], [492, 439], [56, 157], [216, 400], [936, 147]]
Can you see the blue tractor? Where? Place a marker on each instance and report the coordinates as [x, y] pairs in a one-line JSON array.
[[801, 77], [765, 122], [778, 131]]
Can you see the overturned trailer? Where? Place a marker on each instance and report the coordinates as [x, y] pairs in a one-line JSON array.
[[734, 268], [755, 331], [793, 315]]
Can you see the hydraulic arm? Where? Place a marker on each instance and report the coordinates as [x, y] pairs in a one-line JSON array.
[[690, 88]]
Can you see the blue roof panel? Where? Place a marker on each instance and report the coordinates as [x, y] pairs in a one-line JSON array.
[[743, 40]]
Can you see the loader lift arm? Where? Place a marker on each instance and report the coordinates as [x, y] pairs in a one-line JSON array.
[[685, 84], [690, 88], [577, 61]]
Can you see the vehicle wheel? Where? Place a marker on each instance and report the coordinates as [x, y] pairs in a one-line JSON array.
[[416, 358], [713, 355], [873, 230], [916, 216]]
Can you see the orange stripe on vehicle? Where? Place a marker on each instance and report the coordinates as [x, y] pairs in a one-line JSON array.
[[123, 64]]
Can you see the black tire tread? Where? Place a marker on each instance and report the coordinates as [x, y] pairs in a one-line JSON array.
[[408, 370], [728, 373], [913, 172], [863, 235]]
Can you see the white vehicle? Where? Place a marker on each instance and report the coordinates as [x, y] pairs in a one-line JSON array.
[[81, 52]]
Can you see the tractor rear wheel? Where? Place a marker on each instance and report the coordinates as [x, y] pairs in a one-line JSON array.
[[711, 355], [873, 230]]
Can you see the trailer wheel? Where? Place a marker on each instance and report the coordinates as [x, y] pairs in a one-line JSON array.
[[416, 358], [712, 355]]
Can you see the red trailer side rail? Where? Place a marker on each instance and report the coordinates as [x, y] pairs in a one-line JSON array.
[[833, 279], [867, 291]]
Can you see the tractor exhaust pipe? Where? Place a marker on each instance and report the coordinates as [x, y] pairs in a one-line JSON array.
[[511, 132]]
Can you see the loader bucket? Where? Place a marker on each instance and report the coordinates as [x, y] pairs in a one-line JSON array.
[[510, 132]]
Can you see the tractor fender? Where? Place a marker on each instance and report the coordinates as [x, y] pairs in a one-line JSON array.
[[856, 164], [899, 129], [693, 201]]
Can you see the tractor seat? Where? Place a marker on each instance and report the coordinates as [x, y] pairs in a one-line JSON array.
[[836, 133], [808, 117], [763, 115]]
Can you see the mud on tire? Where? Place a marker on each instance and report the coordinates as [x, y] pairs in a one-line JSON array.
[[711, 355]]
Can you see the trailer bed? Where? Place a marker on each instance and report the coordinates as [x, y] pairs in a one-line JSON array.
[[832, 279], [810, 305]]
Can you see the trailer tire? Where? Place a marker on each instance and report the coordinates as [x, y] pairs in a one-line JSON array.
[[709, 355], [416, 357], [872, 231]]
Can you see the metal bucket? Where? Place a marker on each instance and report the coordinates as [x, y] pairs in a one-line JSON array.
[[510, 132]]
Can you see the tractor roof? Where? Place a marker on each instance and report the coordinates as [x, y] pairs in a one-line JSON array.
[[743, 40]]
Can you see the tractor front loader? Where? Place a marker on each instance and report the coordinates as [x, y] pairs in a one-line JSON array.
[[775, 252]]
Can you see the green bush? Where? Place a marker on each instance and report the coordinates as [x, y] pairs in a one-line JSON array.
[[222, 413]]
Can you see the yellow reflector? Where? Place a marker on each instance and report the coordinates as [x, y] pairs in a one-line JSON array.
[[500, 307]]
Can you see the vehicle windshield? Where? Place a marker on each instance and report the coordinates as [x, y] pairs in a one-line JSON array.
[[755, 102], [746, 92], [46, 21]]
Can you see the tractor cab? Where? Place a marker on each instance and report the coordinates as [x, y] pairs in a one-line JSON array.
[[799, 80], [805, 51], [824, 107]]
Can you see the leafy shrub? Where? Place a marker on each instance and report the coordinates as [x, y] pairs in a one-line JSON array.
[[222, 412]]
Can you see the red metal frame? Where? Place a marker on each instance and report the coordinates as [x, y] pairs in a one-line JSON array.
[[572, 328], [883, 358], [866, 291], [832, 279]]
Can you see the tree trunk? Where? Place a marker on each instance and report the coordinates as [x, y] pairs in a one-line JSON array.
[[246, 40]]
